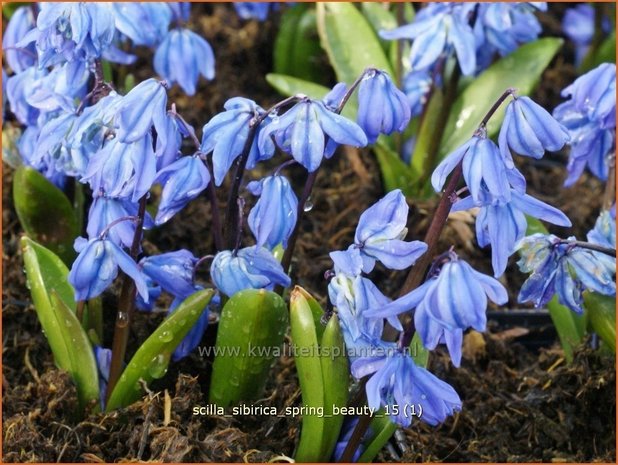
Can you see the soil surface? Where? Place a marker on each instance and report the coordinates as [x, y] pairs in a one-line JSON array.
[[519, 404]]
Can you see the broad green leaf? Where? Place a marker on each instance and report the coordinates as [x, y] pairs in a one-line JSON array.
[[336, 378], [316, 311], [349, 41], [249, 338], [44, 212], [297, 47], [289, 85], [81, 364], [569, 326], [379, 19], [54, 303], [420, 163], [310, 377], [383, 429], [601, 311], [395, 173], [521, 70], [152, 358]]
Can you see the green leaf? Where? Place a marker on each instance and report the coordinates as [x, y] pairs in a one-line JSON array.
[[420, 157], [8, 8], [250, 334], [54, 303], [297, 48], [383, 429], [379, 19], [289, 85], [395, 173], [336, 379], [349, 41], [601, 310], [521, 70], [152, 358], [605, 52], [569, 326], [310, 377], [44, 212]]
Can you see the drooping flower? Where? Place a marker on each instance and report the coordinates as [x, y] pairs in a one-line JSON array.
[[399, 383], [604, 231], [226, 134], [380, 232], [173, 271], [382, 108], [143, 107], [438, 29], [302, 131], [450, 301], [123, 170], [528, 129], [182, 181], [182, 57], [578, 25], [104, 211], [482, 167], [18, 89], [255, 10], [96, 267], [250, 268], [561, 268], [503, 225], [145, 23], [273, 217], [416, 86], [19, 59]]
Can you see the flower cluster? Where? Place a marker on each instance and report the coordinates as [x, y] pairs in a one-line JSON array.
[[590, 118], [495, 184]]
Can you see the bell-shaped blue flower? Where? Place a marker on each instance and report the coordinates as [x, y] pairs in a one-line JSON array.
[[482, 166], [503, 225], [439, 28], [563, 269], [96, 267], [173, 271], [143, 107], [302, 131], [182, 57], [250, 268], [18, 90], [226, 134], [604, 231], [399, 383], [416, 86], [182, 181], [104, 211], [273, 217], [145, 23], [380, 232], [19, 59], [254, 10], [103, 358], [528, 129], [123, 170], [382, 108], [154, 292]]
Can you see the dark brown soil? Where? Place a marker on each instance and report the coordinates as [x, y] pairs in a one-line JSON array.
[[519, 405]]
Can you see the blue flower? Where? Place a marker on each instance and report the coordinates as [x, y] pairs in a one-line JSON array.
[[503, 225], [154, 292], [144, 23], [144, 106], [182, 57], [450, 301], [105, 210], [380, 231], [349, 425], [438, 29], [226, 134], [182, 181], [69, 31], [604, 231], [417, 85], [273, 217], [399, 383], [302, 132], [173, 271], [19, 59], [528, 129], [181, 10], [482, 167], [578, 25], [19, 87], [96, 267], [123, 170], [103, 357], [250, 268], [254, 10], [169, 141], [382, 108], [563, 269]]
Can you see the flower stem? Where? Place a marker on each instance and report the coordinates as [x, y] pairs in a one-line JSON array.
[[590, 246], [126, 305], [357, 436]]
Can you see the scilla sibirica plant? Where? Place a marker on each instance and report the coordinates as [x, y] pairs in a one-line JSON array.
[[103, 161]]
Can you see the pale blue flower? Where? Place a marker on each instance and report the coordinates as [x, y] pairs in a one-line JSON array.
[[19, 59], [604, 231], [145, 23], [173, 271], [143, 107]]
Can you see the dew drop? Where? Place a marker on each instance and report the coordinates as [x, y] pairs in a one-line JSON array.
[[308, 205], [158, 366], [166, 336]]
